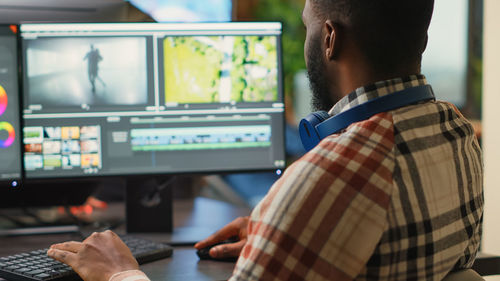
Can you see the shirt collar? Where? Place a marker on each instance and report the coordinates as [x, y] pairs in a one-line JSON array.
[[378, 89]]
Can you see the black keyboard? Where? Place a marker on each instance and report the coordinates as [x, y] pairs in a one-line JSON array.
[[36, 265]]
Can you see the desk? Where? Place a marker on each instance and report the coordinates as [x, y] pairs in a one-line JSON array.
[[196, 219], [183, 265], [193, 220]]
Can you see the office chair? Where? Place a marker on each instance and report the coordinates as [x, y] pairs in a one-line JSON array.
[[463, 275]]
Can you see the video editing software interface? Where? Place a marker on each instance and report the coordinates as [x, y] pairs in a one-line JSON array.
[[148, 98], [10, 141]]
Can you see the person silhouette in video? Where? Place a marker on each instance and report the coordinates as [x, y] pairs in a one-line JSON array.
[[93, 57]]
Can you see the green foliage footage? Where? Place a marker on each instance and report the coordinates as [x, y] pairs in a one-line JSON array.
[[213, 69]]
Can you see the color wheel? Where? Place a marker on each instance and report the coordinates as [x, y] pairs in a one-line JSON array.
[[12, 134], [3, 100]]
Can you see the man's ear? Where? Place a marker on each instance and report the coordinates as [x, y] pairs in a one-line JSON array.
[[330, 40]]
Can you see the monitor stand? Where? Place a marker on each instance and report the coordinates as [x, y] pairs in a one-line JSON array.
[[149, 206]]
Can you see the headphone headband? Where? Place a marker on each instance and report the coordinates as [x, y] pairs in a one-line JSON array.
[[318, 125]]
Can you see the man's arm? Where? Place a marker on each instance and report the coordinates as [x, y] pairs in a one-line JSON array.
[[324, 218]]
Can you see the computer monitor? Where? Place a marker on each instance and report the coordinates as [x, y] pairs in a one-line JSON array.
[[10, 136], [149, 99]]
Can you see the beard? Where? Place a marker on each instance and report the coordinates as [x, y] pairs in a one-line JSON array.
[[316, 69]]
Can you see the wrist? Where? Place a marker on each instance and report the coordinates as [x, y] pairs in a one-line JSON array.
[[129, 275]]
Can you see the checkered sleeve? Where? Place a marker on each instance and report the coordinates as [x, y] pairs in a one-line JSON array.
[[323, 219], [129, 275]]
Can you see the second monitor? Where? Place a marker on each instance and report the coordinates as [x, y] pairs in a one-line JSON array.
[[139, 99]]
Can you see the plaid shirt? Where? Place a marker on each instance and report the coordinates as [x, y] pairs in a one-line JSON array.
[[396, 197]]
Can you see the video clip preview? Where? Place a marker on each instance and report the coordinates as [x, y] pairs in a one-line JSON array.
[[86, 74], [220, 69], [114, 70]]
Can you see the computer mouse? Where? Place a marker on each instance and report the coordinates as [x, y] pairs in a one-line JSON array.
[[203, 253]]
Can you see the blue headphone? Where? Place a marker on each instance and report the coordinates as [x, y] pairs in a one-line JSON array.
[[318, 125]]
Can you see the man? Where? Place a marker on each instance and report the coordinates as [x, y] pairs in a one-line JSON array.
[[93, 57], [395, 197]]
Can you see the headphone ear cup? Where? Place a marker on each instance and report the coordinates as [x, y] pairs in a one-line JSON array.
[[307, 129]]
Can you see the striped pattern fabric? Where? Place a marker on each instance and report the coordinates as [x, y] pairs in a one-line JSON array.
[[396, 197], [129, 275]]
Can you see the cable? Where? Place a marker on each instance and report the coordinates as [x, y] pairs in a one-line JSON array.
[[15, 221], [153, 198]]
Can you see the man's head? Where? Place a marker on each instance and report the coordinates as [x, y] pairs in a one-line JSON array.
[[353, 42]]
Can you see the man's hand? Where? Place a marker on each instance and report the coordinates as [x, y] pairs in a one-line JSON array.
[[238, 228], [97, 258]]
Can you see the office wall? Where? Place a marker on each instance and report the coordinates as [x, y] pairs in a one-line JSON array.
[[491, 126]]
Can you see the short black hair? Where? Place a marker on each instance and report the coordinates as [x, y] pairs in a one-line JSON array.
[[391, 33]]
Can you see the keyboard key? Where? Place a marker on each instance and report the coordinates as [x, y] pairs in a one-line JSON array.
[[35, 272], [42, 276], [22, 270], [12, 267]]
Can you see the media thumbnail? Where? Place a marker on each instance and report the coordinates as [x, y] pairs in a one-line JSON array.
[[89, 146], [90, 160], [215, 69], [87, 71], [70, 146], [51, 147], [70, 132], [90, 132], [52, 161], [33, 134], [33, 147], [70, 161], [32, 162], [52, 132]]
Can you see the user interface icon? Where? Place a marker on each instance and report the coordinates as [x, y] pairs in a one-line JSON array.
[[5, 126], [3, 100]]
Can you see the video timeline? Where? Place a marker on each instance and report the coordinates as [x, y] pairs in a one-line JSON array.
[[227, 137]]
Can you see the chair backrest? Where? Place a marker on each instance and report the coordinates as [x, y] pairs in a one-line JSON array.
[[463, 275]]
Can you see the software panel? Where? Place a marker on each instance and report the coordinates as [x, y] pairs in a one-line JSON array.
[[10, 141], [130, 99]]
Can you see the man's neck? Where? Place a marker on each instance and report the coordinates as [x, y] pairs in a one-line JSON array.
[[356, 78]]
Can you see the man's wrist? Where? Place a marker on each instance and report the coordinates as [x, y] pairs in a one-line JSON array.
[[129, 275]]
